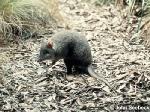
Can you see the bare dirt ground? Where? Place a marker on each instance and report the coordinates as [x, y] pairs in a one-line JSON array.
[[27, 86]]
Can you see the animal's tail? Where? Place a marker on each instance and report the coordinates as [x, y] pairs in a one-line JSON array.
[[101, 78]]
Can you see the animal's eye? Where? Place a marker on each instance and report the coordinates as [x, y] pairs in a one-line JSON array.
[[45, 52]]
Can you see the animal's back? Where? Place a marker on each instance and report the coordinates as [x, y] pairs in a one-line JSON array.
[[73, 46]]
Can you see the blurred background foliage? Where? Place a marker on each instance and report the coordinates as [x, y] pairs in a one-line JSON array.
[[27, 18], [23, 18], [137, 9]]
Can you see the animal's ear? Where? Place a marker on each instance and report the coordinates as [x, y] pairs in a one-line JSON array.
[[50, 45]]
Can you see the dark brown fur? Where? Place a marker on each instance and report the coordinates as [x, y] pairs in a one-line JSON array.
[[74, 49]]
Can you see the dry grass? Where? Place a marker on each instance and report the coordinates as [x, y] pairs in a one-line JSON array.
[[145, 32], [22, 18], [140, 10]]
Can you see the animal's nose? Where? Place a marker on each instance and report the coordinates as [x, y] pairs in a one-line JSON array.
[[39, 59]]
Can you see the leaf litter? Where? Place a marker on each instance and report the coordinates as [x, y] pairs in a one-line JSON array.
[[29, 86]]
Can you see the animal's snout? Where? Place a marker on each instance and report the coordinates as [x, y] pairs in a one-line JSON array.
[[39, 59]]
